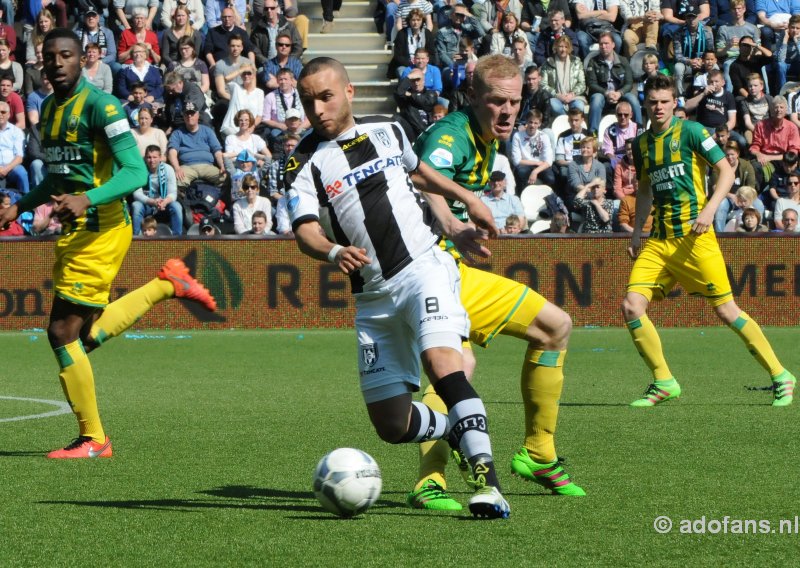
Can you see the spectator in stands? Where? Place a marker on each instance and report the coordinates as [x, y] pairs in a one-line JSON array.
[[625, 180], [789, 221], [459, 98], [215, 14], [32, 76], [778, 184], [190, 67], [514, 226], [502, 40], [591, 203], [535, 21], [520, 54], [543, 47], [432, 75], [406, 43], [138, 100], [242, 166], [500, 202], [774, 17], [447, 39], [532, 153], [612, 149], [300, 21], [13, 229], [415, 102], [755, 106], [772, 138], [147, 134], [194, 151], [559, 224], [626, 217], [700, 81], [139, 34], [744, 175], [751, 59], [649, 69], [266, 31], [126, 12], [140, 71], [245, 97], [278, 102], [45, 221], [196, 11], [328, 9], [751, 222], [728, 37], [534, 96], [563, 78], [259, 222], [722, 135], [9, 68], [641, 19], [12, 152], [458, 71], [8, 33], [228, 71], [206, 227], [45, 21], [244, 139], [745, 198], [216, 45], [283, 60], [149, 227], [8, 95], [91, 32], [177, 94], [674, 12], [584, 171], [568, 146], [160, 197], [278, 166], [438, 113], [787, 63], [34, 156], [690, 42], [609, 80], [33, 105], [405, 7], [595, 18], [180, 27], [715, 106], [244, 208]]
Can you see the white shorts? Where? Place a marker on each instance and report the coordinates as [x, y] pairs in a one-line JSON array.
[[418, 309]]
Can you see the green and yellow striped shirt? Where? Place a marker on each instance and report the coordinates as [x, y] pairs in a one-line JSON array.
[[674, 164]]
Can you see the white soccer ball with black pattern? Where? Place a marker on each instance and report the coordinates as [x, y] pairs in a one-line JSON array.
[[347, 482]]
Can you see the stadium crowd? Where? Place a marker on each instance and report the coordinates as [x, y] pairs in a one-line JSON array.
[[209, 89]]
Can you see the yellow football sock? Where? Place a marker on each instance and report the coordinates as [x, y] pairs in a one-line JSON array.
[[757, 344], [77, 380], [541, 382], [433, 455], [648, 344], [124, 312]]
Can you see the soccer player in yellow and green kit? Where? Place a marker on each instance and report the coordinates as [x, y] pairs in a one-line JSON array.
[[463, 146], [92, 164], [672, 157]]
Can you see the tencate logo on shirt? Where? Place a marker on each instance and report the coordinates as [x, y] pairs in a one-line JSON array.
[[357, 176]]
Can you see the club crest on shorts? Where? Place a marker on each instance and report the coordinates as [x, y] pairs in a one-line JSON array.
[[383, 137], [369, 354]]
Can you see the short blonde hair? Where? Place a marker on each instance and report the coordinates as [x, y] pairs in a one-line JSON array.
[[590, 141], [493, 66], [747, 193]]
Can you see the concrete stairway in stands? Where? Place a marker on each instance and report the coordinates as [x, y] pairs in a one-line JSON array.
[[359, 47]]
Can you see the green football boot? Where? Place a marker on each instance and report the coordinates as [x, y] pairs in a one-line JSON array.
[[551, 476]]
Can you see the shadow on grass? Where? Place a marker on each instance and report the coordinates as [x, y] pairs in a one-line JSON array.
[[22, 454], [227, 497]]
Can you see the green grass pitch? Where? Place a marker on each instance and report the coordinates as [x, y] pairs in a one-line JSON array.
[[216, 435]]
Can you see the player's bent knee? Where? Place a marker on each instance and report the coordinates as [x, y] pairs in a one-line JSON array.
[[632, 308]]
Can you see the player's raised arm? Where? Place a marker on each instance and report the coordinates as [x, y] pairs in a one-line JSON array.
[[427, 179]]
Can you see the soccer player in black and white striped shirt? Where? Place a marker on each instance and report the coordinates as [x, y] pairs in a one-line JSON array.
[[355, 180]]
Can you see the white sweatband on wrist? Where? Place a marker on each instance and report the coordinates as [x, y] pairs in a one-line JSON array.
[[333, 252]]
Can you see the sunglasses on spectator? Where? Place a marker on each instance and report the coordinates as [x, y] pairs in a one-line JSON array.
[[251, 187], [270, 8], [790, 183], [623, 114], [284, 44], [247, 72]]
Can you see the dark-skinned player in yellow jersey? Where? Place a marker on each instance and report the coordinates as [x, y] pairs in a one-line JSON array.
[[671, 159], [92, 164]]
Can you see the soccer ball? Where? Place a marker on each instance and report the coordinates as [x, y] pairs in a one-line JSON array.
[[347, 482]]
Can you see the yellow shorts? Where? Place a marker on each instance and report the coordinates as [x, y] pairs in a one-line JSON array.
[[496, 304], [87, 263], [695, 261]]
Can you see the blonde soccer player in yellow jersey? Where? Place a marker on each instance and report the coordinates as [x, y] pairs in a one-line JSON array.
[[462, 146], [92, 164], [672, 157]]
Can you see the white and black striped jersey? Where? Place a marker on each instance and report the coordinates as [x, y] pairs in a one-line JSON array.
[[358, 187]]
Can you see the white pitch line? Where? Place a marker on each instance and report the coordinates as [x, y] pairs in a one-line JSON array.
[[63, 408]]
